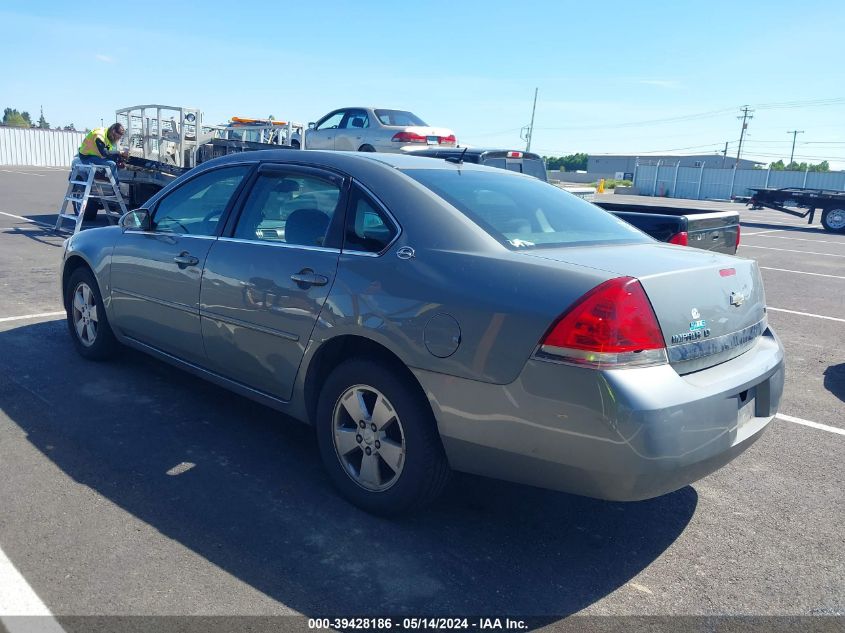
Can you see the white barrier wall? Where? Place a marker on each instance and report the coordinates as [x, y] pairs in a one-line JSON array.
[[721, 184], [42, 148]]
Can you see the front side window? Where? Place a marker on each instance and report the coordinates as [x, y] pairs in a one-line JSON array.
[[522, 212], [368, 229], [196, 207], [331, 122], [288, 207]]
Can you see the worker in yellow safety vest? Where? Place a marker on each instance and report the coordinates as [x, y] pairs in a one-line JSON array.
[[99, 147]]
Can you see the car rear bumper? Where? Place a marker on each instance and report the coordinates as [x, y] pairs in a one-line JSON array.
[[621, 434]]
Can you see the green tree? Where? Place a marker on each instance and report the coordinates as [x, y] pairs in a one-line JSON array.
[[42, 122], [572, 162], [13, 118], [796, 166]]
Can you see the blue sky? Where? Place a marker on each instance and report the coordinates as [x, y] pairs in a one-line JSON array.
[[609, 74]]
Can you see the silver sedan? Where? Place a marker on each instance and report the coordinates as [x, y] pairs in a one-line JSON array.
[[375, 130], [427, 316]]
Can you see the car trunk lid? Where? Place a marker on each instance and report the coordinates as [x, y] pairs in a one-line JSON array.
[[710, 307]]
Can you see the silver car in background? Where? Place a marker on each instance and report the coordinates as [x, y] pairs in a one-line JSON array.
[[426, 315], [375, 130]]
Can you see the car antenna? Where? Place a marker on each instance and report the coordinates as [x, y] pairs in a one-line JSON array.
[[458, 159]]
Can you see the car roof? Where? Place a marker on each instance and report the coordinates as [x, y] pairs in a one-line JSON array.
[[344, 161]]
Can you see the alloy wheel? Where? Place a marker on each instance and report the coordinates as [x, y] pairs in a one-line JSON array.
[[85, 319], [368, 438]]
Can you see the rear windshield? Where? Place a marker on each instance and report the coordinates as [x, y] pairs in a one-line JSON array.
[[532, 167], [524, 213], [399, 117]]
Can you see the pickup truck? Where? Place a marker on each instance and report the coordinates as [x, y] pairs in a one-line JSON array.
[[713, 231], [709, 230]]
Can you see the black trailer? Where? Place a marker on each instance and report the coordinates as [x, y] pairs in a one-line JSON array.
[[831, 204]]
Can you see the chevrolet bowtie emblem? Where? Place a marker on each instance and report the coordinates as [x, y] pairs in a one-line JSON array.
[[737, 299]]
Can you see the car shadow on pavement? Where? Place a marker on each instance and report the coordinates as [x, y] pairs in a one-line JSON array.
[[242, 488], [834, 380]]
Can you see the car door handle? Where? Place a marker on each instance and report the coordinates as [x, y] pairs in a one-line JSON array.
[[308, 277], [186, 259]]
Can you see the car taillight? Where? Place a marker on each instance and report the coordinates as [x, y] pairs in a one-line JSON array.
[[447, 140], [514, 154], [681, 239], [737, 235], [408, 137], [612, 326]]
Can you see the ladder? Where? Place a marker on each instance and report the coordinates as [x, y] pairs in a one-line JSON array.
[[84, 186]]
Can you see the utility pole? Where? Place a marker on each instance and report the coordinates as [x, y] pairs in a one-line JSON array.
[[529, 131], [745, 118], [725, 155], [794, 134]]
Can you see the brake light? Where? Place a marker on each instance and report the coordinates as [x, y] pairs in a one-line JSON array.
[[408, 137], [737, 235], [448, 140], [681, 239], [514, 154], [613, 325]]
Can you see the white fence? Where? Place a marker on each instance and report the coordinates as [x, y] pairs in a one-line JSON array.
[[700, 183], [42, 148]]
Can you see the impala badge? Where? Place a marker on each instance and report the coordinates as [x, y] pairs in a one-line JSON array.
[[695, 313]]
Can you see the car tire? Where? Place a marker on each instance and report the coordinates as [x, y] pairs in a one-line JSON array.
[[833, 219], [395, 463], [86, 317], [366, 148]]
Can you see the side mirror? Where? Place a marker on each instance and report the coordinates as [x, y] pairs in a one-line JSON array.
[[312, 125], [137, 220]]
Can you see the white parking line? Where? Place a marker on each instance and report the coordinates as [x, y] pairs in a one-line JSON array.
[[18, 599], [25, 317], [808, 314], [26, 173], [797, 239], [20, 217], [815, 425], [761, 232], [786, 250], [801, 272]]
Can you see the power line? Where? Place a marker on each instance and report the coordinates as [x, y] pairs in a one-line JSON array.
[[812, 103], [676, 119]]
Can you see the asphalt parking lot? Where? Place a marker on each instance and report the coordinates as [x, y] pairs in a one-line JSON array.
[[131, 488]]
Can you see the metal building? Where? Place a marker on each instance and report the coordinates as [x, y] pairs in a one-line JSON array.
[[613, 163]]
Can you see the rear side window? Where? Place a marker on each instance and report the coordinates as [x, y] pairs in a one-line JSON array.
[[368, 228], [292, 208], [524, 212]]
